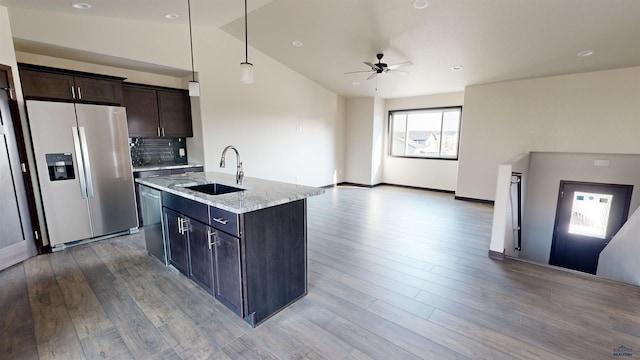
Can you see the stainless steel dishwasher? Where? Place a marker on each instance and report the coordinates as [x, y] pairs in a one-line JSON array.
[[151, 208]]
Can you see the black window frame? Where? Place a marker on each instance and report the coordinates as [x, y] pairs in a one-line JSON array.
[[440, 108]]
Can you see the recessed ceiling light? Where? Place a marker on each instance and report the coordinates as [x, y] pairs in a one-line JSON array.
[[355, 83], [420, 4], [172, 16], [297, 43], [456, 67], [81, 6], [585, 53]]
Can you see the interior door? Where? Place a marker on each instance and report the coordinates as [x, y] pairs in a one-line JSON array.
[[587, 217], [16, 239]]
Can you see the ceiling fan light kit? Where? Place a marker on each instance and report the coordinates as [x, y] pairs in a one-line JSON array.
[[381, 68], [194, 86], [246, 68]]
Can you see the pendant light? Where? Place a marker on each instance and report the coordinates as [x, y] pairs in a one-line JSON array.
[[246, 68], [194, 86]]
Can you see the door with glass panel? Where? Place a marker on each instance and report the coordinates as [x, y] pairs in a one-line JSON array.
[[587, 217]]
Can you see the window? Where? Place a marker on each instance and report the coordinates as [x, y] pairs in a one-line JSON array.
[[425, 133]]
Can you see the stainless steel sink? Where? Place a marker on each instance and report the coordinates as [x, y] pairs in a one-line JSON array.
[[214, 189]]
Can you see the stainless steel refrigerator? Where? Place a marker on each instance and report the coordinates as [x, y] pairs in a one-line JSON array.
[[84, 169]]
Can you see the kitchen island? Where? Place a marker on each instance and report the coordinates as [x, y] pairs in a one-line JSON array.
[[244, 244]]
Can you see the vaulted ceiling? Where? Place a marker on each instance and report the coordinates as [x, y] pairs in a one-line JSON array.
[[488, 40]]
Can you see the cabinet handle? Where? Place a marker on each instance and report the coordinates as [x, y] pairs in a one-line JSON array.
[[214, 235], [183, 225], [221, 221], [162, 132], [158, 132], [79, 93], [73, 92]]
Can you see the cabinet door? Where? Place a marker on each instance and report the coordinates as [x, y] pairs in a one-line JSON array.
[[228, 272], [47, 86], [201, 255], [142, 111], [94, 90], [175, 113], [178, 246]]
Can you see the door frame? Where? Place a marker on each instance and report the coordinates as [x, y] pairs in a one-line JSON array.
[[556, 224], [31, 228]]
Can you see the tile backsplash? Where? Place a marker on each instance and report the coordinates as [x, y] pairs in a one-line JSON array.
[[164, 151]]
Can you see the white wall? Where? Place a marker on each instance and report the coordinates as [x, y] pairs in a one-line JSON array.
[[593, 112], [8, 55], [377, 142], [424, 173], [151, 43], [619, 260], [505, 210], [359, 148], [285, 126]]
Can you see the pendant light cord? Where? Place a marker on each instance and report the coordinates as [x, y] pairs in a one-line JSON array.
[[193, 72], [246, 35]]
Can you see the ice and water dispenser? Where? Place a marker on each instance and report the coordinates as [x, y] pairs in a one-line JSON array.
[[60, 166]]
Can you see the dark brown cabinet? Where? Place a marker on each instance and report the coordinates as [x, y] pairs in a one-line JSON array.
[[61, 85], [257, 259], [176, 237], [157, 112], [227, 271], [201, 251], [208, 256]]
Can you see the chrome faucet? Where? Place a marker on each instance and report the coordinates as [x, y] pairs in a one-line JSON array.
[[239, 172]]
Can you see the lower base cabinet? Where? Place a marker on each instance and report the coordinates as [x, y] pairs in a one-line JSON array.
[[253, 263], [227, 271], [178, 247], [209, 257]]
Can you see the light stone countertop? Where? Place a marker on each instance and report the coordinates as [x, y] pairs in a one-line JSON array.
[[258, 193], [163, 167]]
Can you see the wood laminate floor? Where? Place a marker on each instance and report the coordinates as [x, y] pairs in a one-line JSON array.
[[394, 273]]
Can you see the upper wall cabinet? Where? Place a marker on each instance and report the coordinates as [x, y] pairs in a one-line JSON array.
[[157, 112], [44, 83]]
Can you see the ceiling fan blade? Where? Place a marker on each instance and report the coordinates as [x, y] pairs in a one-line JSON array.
[[373, 67], [355, 72], [372, 76], [397, 66], [399, 72]]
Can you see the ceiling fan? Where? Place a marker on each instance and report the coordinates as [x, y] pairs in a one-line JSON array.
[[381, 67]]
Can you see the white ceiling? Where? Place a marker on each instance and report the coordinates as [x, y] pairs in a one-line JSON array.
[[494, 40]]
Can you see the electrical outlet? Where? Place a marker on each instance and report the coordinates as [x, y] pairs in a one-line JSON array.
[[181, 152]]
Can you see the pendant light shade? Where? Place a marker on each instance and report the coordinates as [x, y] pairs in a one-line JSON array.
[[194, 86], [246, 68], [246, 73]]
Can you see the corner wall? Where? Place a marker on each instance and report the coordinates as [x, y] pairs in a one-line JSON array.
[[594, 112], [286, 127]]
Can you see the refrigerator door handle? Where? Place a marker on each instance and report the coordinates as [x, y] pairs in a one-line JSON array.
[[87, 163], [79, 160]]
